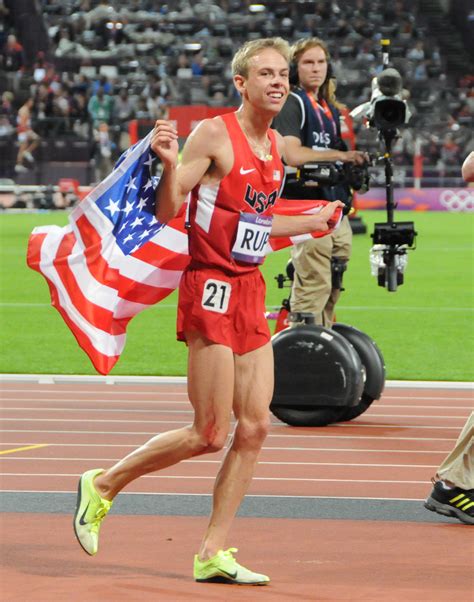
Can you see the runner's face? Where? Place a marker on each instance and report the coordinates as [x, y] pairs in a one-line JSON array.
[[266, 85], [312, 69]]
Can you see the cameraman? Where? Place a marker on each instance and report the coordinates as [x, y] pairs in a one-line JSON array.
[[310, 124]]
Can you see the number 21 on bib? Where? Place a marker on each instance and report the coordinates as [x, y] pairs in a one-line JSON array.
[[216, 295]]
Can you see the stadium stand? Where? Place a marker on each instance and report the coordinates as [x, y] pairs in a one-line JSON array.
[[86, 62]]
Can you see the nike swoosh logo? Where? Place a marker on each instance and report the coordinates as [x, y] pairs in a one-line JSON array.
[[231, 575], [244, 171], [81, 520]]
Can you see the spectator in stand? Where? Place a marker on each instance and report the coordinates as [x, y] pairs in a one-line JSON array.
[[124, 109], [124, 112], [417, 53], [100, 107], [102, 82], [44, 102], [7, 115], [61, 108], [141, 111], [41, 67], [450, 150], [78, 113], [12, 58], [28, 140], [197, 64], [154, 104], [103, 151]]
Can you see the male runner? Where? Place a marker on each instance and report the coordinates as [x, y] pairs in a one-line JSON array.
[[232, 167]]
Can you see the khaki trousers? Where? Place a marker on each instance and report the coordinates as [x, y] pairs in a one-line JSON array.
[[312, 285], [458, 467]]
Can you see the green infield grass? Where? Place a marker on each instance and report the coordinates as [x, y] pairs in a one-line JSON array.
[[424, 329]]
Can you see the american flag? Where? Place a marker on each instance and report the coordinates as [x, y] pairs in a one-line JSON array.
[[115, 259]]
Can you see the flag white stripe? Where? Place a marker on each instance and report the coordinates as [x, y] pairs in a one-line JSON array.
[[129, 266], [172, 239], [300, 238], [103, 342], [98, 293]]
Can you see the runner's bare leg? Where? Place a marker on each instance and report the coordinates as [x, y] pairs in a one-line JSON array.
[[252, 395]]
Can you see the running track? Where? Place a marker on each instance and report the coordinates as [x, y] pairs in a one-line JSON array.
[[334, 513]]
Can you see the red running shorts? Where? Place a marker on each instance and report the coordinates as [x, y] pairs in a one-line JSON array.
[[226, 309]]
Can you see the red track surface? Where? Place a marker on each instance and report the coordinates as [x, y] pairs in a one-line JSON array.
[[390, 452]]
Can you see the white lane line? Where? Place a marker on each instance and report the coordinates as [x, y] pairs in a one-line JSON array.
[[192, 461], [51, 379], [274, 436], [102, 410], [162, 394], [202, 477], [380, 405], [130, 402], [114, 421], [157, 406], [101, 393], [265, 448], [249, 495], [166, 411]]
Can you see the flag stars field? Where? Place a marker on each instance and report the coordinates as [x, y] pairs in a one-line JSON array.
[[128, 207], [149, 161], [131, 184], [142, 203], [113, 207]]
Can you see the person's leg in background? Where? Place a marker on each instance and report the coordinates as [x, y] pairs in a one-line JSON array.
[[453, 491], [342, 248], [312, 281]]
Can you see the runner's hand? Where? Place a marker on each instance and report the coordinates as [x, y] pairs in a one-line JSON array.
[[164, 142]]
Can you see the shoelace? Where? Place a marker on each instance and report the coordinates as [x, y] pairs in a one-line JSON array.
[[229, 553], [100, 514]]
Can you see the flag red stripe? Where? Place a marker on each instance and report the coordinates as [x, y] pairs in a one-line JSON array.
[[128, 289], [160, 257], [95, 314], [33, 254], [102, 363]]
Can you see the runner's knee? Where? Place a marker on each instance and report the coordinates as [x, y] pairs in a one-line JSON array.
[[250, 434], [211, 438]]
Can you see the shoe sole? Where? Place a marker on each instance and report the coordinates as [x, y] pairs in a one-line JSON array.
[[78, 505], [446, 510], [226, 581]]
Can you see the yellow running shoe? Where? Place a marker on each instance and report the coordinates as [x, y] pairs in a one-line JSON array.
[[91, 509], [223, 568]]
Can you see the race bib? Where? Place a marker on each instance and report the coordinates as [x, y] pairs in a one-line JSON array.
[[252, 237], [216, 295]]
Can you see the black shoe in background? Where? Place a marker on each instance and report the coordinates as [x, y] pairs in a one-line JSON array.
[[455, 502]]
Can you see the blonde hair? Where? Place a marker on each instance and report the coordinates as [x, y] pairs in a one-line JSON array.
[[332, 95], [240, 62], [299, 48]]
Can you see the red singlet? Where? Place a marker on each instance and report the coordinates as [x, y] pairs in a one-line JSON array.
[[252, 186], [222, 293]]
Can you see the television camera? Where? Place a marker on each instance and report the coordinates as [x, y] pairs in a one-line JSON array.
[[328, 174], [386, 111]]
